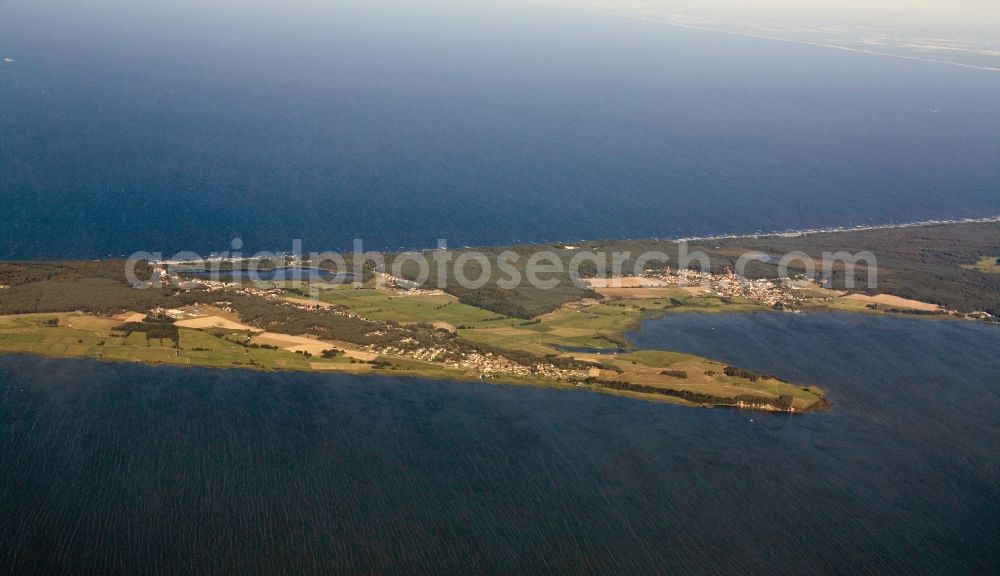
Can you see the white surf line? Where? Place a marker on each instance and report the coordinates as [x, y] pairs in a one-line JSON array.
[[835, 229], [654, 20]]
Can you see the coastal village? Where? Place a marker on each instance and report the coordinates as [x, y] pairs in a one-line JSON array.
[[327, 322], [654, 284], [787, 294], [779, 294], [656, 289]]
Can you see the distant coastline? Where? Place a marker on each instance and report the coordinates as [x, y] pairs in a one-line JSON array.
[[786, 233], [834, 229]]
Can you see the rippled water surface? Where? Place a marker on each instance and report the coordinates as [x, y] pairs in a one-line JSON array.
[[180, 124], [110, 468]]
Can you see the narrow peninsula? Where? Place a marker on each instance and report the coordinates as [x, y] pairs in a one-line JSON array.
[[573, 333]]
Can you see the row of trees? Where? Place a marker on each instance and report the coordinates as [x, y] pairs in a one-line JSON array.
[[153, 329], [751, 375]]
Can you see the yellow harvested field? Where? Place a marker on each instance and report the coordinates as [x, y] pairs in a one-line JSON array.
[[572, 332], [316, 348], [696, 290], [359, 354], [212, 311], [130, 317], [895, 301], [281, 340], [589, 358], [94, 324], [510, 331], [629, 282], [309, 302], [638, 293], [446, 326], [310, 345], [214, 322], [340, 367]]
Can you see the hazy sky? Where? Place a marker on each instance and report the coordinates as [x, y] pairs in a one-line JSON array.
[[925, 10], [935, 7], [844, 7], [962, 32]]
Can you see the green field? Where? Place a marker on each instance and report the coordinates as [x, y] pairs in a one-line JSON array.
[[941, 264], [987, 265], [594, 325], [601, 325], [387, 306], [79, 335]]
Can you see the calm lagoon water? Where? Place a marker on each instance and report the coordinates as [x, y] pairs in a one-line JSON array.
[[113, 468]]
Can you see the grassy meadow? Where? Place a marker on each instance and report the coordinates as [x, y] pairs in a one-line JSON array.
[[90, 336], [405, 309], [986, 265]]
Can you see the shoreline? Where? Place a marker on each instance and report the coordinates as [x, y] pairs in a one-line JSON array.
[[785, 233], [742, 395], [412, 375], [631, 326], [793, 233], [526, 335]]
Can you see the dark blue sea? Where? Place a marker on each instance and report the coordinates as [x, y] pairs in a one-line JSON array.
[[163, 125], [118, 468]]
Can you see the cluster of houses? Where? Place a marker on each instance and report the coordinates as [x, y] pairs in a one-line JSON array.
[[488, 365], [269, 293], [774, 293], [410, 287]]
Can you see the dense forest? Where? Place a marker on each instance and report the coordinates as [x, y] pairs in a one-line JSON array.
[[928, 263], [523, 301]]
